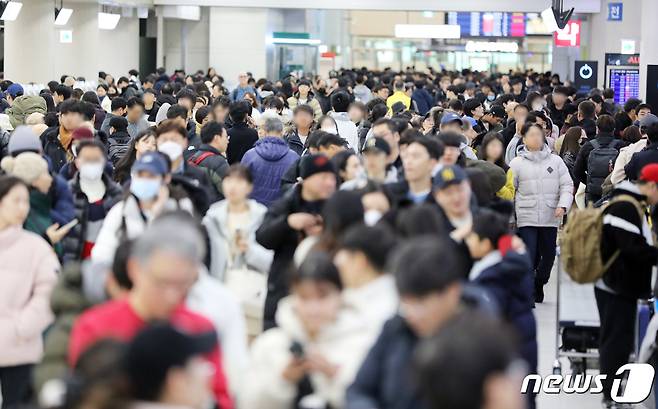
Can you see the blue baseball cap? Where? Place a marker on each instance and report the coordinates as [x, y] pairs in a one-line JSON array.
[[450, 117], [449, 175], [15, 90], [471, 120], [152, 162]]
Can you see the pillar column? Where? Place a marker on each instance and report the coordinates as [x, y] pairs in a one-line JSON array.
[[648, 49]]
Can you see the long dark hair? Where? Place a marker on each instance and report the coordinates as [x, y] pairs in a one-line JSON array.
[[482, 151], [122, 170], [571, 142], [7, 183]]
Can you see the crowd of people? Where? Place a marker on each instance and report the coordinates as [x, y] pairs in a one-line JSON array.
[[375, 239]]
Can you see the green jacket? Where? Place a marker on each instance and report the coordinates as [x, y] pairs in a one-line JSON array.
[[24, 106], [39, 219], [67, 302]]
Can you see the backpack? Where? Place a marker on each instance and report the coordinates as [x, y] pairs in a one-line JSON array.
[[600, 163], [580, 242], [196, 161], [117, 150]]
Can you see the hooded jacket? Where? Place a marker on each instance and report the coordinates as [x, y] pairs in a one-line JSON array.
[[28, 275], [509, 281], [268, 160], [24, 106], [216, 223], [543, 183], [339, 342]]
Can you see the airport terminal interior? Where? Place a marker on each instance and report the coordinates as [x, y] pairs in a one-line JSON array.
[[328, 204]]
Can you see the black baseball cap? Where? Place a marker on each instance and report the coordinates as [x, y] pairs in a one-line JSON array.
[[161, 346], [497, 111], [376, 145]]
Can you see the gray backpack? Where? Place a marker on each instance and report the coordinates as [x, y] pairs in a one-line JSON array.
[[600, 163]]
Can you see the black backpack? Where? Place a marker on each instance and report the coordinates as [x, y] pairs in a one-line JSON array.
[[600, 163]]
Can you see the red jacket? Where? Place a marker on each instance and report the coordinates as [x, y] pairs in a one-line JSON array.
[[118, 320]]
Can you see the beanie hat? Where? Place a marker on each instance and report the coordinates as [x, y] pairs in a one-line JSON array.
[[23, 139], [312, 164], [82, 133], [27, 166]]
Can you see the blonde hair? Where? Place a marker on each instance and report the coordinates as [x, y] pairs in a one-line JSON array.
[[28, 166]]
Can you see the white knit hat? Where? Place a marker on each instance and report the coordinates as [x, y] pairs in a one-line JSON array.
[[27, 166]]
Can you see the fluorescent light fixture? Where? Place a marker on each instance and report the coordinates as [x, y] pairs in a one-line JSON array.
[[11, 11], [62, 16], [302, 41], [108, 21], [492, 46], [549, 20], [427, 31]]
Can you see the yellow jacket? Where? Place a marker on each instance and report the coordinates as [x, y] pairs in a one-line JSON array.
[[398, 96], [507, 192]]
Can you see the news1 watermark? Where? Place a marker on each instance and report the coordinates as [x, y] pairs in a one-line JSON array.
[[637, 388]]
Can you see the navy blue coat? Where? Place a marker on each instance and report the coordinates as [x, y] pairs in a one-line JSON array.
[[510, 283], [423, 99], [385, 380], [268, 161]]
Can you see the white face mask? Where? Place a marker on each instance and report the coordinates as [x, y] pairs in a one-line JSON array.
[[92, 171], [171, 149], [371, 217]]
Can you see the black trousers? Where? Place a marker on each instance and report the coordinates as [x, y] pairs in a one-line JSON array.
[[617, 333], [541, 242], [15, 383]]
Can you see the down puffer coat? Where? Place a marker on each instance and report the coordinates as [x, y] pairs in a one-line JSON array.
[[543, 183]]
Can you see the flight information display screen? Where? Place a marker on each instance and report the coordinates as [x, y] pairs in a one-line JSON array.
[[497, 24], [625, 83]]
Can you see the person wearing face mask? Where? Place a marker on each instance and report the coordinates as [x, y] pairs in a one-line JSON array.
[[94, 194], [148, 196], [79, 135], [27, 277], [171, 140], [315, 350]]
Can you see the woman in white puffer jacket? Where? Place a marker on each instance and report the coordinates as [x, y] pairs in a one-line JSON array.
[[317, 339], [544, 192]]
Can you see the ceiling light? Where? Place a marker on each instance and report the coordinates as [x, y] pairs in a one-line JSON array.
[[549, 20], [11, 10], [108, 21], [427, 31], [62, 16]]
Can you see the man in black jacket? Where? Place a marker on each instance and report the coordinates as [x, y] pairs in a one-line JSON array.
[[242, 137], [593, 173], [645, 157], [557, 105], [625, 230], [171, 139], [56, 141], [212, 152], [291, 219], [303, 121], [428, 277]]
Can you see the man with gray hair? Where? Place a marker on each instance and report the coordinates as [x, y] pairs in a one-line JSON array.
[[268, 160], [163, 266]]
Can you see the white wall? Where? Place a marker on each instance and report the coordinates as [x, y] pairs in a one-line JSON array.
[[237, 41], [196, 47], [605, 36], [33, 52]]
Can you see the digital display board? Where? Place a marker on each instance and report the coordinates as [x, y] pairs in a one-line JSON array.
[[625, 82], [494, 24]]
